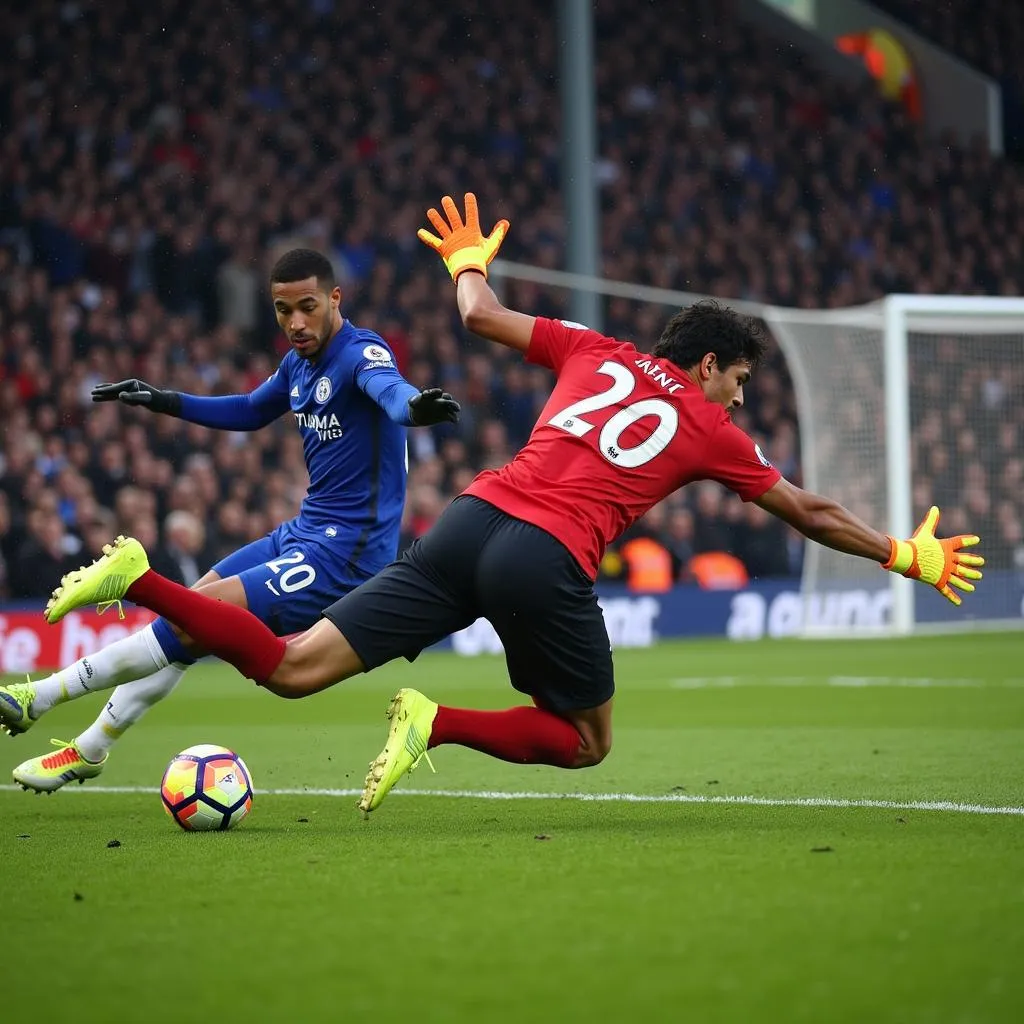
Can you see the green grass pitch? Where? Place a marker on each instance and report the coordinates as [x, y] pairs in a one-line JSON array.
[[698, 907]]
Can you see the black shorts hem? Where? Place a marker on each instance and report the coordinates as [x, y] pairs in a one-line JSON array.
[[557, 702], [328, 614]]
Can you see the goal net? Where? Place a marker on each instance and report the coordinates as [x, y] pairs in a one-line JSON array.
[[901, 404], [914, 401]]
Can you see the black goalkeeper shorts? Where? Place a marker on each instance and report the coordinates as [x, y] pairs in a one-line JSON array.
[[478, 561]]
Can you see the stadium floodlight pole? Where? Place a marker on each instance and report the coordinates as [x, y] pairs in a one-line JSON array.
[[579, 155]]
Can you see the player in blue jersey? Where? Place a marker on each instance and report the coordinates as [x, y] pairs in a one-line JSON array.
[[351, 406]]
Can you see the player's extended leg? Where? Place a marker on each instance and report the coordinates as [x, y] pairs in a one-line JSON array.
[[529, 734], [304, 664], [521, 735], [556, 646], [398, 612], [85, 756], [286, 583], [130, 702], [314, 660], [137, 657], [132, 657]]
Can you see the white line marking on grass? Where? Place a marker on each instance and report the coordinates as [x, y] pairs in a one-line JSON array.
[[854, 682], [953, 806]]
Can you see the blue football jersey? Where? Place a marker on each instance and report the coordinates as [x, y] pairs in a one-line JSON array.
[[355, 453]]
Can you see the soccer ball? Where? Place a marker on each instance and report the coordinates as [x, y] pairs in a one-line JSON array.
[[207, 787]]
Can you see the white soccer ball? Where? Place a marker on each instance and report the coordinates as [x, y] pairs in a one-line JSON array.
[[207, 787]]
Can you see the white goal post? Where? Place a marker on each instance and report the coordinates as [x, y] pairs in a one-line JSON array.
[[909, 401], [943, 377]]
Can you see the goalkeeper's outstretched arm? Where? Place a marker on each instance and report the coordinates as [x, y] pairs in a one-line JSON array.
[[466, 252], [483, 314], [941, 563]]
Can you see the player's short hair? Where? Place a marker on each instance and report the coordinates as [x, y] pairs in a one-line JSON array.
[[708, 326], [298, 264]]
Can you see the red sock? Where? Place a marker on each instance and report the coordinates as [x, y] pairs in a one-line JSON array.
[[230, 632], [522, 735]]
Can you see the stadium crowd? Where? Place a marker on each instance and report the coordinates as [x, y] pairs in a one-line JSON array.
[[155, 160]]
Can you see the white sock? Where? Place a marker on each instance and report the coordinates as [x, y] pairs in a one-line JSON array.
[[127, 704], [132, 657]]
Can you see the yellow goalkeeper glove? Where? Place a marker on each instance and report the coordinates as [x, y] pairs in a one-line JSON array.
[[939, 562], [462, 246]]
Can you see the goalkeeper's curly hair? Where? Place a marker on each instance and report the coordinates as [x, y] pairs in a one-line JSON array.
[[708, 326]]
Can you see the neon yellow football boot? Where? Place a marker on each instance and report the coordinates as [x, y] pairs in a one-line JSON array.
[[412, 719], [16, 707], [49, 772], [103, 583]]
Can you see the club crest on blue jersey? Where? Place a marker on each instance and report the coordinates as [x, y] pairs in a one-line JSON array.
[[377, 354], [323, 389]]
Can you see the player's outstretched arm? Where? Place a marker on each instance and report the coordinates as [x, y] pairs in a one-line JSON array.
[[483, 314], [431, 406], [138, 392], [939, 562], [222, 412], [466, 252]]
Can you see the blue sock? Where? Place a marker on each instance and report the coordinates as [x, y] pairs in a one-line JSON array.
[[170, 644]]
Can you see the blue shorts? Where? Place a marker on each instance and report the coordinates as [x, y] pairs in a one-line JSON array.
[[291, 575]]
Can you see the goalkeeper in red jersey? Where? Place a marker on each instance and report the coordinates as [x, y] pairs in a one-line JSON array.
[[521, 545]]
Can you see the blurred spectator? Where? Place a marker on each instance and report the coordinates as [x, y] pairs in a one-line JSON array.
[[762, 544], [47, 554], [711, 530], [238, 291], [182, 553], [718, 570], [230, 531], [424, 503], [648, 563], [8, 545], [679, 541]]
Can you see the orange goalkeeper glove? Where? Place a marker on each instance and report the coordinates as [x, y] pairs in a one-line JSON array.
[[938, 562], [462, 246]]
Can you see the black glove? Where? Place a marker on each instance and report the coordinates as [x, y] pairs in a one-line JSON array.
[[138, 392], [432, 405]]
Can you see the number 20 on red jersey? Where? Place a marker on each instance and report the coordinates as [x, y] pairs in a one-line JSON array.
[[573, 419]]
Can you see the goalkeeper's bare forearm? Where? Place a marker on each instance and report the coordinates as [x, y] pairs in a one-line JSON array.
[[825, 521], [940, 562], [483, 314]]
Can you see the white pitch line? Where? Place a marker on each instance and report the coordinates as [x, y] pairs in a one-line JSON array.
[[953, 806]]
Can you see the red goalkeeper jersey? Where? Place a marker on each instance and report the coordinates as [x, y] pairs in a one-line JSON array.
[[620, 432]]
